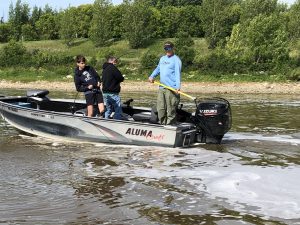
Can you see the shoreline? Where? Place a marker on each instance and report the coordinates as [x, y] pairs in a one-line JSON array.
[[188, 87]]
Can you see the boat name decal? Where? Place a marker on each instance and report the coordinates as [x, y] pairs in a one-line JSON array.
[[156, 137], [145, 133], [139, 132], [41, 115]]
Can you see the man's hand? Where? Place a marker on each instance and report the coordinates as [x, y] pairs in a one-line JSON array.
[[151, 80], [90, 86], [177, 91]]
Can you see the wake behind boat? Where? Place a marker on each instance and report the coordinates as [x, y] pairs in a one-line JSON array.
[[64, 119]]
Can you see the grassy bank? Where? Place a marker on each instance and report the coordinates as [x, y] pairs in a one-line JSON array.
[[129, 63]]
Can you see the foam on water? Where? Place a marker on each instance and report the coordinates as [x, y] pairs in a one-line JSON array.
[[252, 136], [266, 191], [273, 192]]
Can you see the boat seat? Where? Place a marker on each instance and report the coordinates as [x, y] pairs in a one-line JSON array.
[[150, 117], [37, 101], [142, 117]]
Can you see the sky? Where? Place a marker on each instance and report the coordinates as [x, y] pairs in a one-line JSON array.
[[55, 4], [62, 4]]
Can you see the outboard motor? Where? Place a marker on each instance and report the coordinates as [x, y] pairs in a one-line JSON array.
[[213, 120]]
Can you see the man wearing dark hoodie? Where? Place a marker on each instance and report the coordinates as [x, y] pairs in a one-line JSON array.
[[111, 79]]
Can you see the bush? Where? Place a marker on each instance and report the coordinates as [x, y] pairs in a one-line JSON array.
[[5, 30], [186, 54], [149, 60], [219, 61], [93, 61], [294, 75], [41, 58], [14, 53], [183, 39], [184, 48], [105, 53]]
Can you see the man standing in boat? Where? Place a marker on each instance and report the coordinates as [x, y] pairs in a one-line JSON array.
[[111, 79], [169, 69], [87, 80]]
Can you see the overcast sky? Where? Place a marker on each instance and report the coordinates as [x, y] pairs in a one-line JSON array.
[[62, 4]]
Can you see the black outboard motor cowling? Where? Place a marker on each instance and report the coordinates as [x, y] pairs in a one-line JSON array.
[[213, 118]]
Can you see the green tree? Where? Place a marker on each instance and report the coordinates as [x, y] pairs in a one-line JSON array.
[[13, 53], [32, 30], [101, 31], [184, 48], [29, 33], [155, 22], [35, 15], [5, 29], [48, 10], [218, 18], [252, 8], [169, 21], [164, 3], [136, 23], [294, 20], [115, 20], [84, 19], [18, 16], [263, 42], [69, 25], [47, 27], [190, 20]]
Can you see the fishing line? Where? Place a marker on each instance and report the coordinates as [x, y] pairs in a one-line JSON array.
[[72, 108]]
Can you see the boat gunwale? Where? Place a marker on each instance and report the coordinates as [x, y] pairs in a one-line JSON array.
[[70, 115]]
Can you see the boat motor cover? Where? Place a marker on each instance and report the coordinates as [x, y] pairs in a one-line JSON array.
[[37, 93], [215, 115]]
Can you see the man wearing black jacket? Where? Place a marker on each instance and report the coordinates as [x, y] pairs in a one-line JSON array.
[[87, 80], [111, 79]]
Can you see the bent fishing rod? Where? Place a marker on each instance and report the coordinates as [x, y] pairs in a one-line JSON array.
[[173, 89]]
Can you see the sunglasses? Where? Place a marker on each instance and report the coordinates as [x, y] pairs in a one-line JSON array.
[[168, 48]]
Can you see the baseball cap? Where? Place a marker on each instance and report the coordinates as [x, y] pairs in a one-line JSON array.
[[168, 46]]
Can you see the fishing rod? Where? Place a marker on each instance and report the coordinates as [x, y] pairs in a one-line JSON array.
[[173, 89], [73, 107]]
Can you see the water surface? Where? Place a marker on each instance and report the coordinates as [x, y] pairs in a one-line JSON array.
[[251, 178]]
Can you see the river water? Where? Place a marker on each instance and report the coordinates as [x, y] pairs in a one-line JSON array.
[[253, 177]]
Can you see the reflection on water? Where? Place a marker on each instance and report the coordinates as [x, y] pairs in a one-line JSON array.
[[252, 178]]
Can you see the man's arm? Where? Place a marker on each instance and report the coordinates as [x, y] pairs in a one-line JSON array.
[[118, 75], [96, 75], [155, 73], [178, 65], [79, 86]]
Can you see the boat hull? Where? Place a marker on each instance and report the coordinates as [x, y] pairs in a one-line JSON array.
[[69, 127]]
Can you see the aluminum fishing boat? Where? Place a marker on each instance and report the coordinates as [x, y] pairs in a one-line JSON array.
[[66, 119]]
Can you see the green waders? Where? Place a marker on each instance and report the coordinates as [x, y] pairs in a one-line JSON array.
[[167, 103]]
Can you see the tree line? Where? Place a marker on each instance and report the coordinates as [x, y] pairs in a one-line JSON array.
[[244, 35]]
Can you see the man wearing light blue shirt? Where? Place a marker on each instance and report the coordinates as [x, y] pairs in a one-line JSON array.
[[169, 69]]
